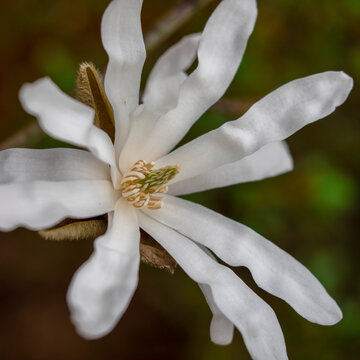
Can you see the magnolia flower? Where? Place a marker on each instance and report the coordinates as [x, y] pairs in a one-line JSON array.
[[127, 177]]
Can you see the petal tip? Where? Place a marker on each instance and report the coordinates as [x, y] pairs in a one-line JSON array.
[[87, 326], [88, 331], [340, 85], [221, 330], [347, 79], [26, 94], [330, 315], [289, 161], [335, 317], [23, 93]]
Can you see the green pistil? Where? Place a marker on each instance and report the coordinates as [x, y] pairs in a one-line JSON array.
[[159, 177]]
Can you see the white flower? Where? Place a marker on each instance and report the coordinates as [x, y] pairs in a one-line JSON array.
[[40, 188]]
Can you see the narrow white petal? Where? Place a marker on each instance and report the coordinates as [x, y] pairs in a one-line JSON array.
[[123, 41], [273, 118], [221, 328], [271, 160], [221, 49], [65, 118], [24, 165], [102, 288], [164, 93], [176, 59], [160, 95], [251, 315], [42, 204], [163, 85], [273, 269]]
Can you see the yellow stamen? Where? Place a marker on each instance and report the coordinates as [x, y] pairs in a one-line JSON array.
[[143, 187]]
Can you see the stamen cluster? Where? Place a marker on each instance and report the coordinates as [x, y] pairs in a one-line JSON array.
[[144, 187]]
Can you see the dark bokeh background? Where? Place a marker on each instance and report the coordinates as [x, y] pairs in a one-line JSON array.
[[312, 213]]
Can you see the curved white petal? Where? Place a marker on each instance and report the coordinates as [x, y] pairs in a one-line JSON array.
[[24, 165], [221, 49], [162, 88], [273, 118], [251, 315], [221, 328], [123, 41], [65, 118], [141, 126], [41, 204], [160, 95], [273, 269], [271, 160], [165, 93], [102, 288]]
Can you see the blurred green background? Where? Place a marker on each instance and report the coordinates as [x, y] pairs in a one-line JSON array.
[[313, 212]]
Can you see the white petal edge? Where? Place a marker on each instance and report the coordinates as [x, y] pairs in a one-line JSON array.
[[65, 118], [123, 41], [41, 204], [251, 315], [160, 95], [163, 85], [273, 269], [59, 164], [221, 328], [103, 286], [274, 118], [271, 160], [221, 49]]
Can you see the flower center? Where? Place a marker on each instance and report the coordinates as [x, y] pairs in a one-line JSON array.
[[143, 187]]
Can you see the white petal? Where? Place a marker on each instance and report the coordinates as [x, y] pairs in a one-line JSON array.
[[102, 288], [42, 204], [273, 118], [123, 41], [160, 95], [141, 126], [221, 328], [251, 315], [163, 85], [24, 165], [221, 49], [271, 160], [65, 118], [165, 93], [273, 269]]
